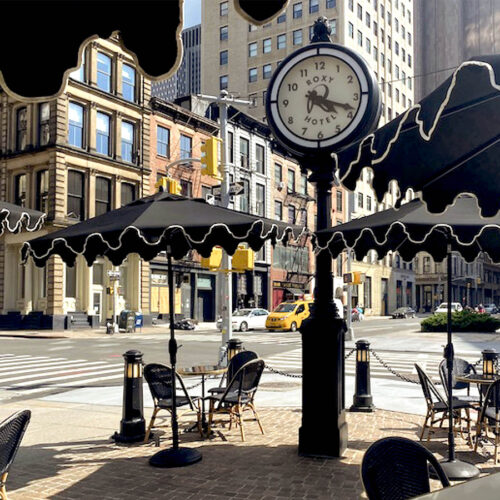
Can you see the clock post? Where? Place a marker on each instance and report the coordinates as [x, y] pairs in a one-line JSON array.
[[322, 97]]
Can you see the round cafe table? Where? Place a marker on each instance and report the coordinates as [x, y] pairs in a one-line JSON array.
[[478, 378], [203, 371]]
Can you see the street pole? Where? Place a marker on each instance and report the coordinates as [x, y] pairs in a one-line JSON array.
[[225, 289], [350, 332]]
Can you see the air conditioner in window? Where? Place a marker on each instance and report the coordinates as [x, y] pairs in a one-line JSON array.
[[280, 185]]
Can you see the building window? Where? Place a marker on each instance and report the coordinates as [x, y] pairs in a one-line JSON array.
[[186, 188], [205, 191], [260, 163], [340, 204], [103, 137], [127, 192], [409, 38], [102, 195], [223, 57], [252, 75], [224, 33], [291, 214], [360, 12], [330, 4], [368, 20], [367, 292], [291, 181], [128, 83], [103, 72], [375, 28], [186, 147], [230, 147], [20, 190], [297, 10], [223, 9], [350, 30], [297, 37], [260, 200], [252, 49], [44, 123], [360, 38], [76, 194], [278, 173], [303, 184], [351, 5], [267, 71], [281, 41], [281, 18], [360, 200], [409, 60], [368, 45], [245, 197], [127, 141], [267, 45], [75, 128], [368, 202], [396, 48], [162, 141], [42, 191], [244, 149], [21, 128], [313, 6], [70, 282], [223, 82], [278, 210], [427, 265], [333, 26]]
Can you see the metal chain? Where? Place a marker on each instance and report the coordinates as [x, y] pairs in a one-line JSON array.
[[348, 355], [391, 370]]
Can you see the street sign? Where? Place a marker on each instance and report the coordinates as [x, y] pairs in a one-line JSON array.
[[236, 188], [113, 275]]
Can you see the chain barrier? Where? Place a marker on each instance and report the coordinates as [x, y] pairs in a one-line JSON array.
[[223, 355], [391, 370]]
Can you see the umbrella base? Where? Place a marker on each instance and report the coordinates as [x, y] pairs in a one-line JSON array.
[[179, 457], [456, 470]]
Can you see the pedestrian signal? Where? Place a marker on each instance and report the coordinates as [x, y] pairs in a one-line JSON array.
[[354, 278]]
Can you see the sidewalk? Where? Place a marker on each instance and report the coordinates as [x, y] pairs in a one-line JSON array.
[[67, 454]]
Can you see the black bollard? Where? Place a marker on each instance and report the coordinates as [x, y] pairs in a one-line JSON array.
[[132, 425], [234, 346], [362, 399], [490, 357]]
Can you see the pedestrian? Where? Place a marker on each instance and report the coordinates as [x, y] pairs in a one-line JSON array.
[[360, 312]]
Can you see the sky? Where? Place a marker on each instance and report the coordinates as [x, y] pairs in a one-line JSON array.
[[192, 12]]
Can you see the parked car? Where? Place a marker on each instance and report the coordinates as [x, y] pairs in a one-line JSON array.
[[491, 308], [288, 316], [404, 312], [443, 307], [247, 319]]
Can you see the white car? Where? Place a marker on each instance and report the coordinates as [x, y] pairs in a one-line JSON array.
[[443, 307], [247, 319]]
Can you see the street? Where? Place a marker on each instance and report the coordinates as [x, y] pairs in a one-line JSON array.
[[89, 370]]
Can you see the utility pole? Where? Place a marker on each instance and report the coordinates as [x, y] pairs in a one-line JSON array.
[[349, 335], [225, 292]]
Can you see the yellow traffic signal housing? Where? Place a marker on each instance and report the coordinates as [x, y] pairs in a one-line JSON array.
[[210, 159], [215, 259], [243, 259], [168, 185], [354, 278]]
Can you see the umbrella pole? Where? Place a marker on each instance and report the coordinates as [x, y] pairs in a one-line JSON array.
[[456, 470], [175, 456]]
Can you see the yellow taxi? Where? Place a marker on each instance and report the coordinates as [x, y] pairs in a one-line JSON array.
[[289, 315]]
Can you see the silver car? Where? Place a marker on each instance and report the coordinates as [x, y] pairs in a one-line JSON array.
[[247, 319]]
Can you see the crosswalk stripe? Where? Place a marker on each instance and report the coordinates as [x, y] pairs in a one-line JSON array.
[[27, 364], [38, 366], [8, 361]]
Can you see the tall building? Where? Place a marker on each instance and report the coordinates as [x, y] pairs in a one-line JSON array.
[[449, 33], [187, 79]]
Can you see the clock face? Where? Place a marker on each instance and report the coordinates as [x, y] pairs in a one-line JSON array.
[[320, 97]]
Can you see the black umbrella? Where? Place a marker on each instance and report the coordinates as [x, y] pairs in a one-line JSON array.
[[410, 230], [150, 29], [14, 218], [162, 222], [446, 145]]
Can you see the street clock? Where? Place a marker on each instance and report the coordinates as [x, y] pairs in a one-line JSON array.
[[322, 98]]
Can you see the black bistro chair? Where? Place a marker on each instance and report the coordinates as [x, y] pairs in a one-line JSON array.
[[159, 379], [489, 417], [437, 407], [396, 468], [236, 362], [460, 367], [11, 433], [238, 397]]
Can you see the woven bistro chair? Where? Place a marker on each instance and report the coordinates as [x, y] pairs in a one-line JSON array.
[[460, 367], [489, 417], [396, 468], [437, 408], [237, 361], [238, 397], [11, 433], [159, 379]]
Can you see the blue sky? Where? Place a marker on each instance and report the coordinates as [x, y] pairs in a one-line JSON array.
[[192, 12]]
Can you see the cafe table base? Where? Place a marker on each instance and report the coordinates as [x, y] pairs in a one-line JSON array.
[[172, 457], [456, 470]]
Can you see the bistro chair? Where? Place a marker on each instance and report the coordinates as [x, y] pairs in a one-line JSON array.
[[489, 417], [237, 361], [396, 468], [238, 397], [437, 408], [159, 379], [460, 367], [11, 433]]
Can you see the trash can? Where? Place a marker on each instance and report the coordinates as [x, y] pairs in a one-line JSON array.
[[139, 320], [122, 319]]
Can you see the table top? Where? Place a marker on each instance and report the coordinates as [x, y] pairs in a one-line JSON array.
[[477, 378], [485, 488], [202, 370]]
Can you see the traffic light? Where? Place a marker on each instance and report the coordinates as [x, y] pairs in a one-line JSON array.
[[354, 278], [168, 185], [243, 259], [210, 158], [215, 259]]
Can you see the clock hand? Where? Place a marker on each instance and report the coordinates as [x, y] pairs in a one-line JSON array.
[[313, 99]]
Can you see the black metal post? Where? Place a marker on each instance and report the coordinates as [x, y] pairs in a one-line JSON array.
[[132, 425], [234, 346], [323, 433], [490, 357], [362, 399], [175, 456]]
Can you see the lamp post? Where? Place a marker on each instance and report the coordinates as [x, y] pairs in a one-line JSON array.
[[490, 357]]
